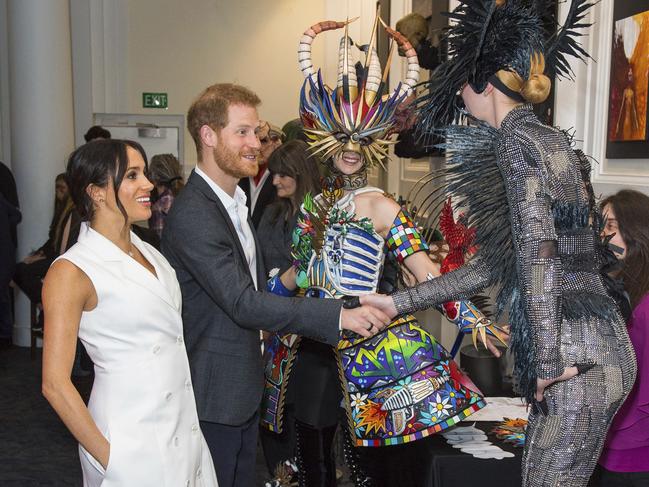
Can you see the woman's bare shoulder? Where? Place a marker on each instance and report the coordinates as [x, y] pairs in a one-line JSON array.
[[64, 280]]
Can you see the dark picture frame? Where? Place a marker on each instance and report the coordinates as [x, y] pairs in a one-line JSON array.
[[617, 104]]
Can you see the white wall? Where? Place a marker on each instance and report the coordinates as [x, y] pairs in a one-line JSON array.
[[583, 105], [181, 47]]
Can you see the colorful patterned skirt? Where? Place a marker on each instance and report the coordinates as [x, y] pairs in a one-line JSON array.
[[398, 386]]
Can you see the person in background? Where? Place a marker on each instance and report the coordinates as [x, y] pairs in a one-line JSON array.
[[294, 173], [63, 233], [293, 129], [9, 191], [166, 173], [9, 217], [96, 132], [62, 203], [625, 458], [259, 188]]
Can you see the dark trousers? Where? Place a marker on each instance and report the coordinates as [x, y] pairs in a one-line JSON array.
[[6, 315], [279, 447], [234, 451], [608, 478]]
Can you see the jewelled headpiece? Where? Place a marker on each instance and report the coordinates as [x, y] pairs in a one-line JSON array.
[[350, 117], [487, 36]]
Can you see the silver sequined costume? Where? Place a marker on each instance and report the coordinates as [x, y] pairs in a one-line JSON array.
[[560, 312]]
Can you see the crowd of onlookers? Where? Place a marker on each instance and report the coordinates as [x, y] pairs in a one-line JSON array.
[[286, 173]]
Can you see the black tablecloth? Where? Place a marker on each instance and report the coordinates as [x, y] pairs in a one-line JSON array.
[[449, 467]]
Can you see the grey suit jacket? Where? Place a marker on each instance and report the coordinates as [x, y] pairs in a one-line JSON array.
[[222, 311]]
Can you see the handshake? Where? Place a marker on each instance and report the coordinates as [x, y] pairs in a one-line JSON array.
[[371, 313], [368, 315]]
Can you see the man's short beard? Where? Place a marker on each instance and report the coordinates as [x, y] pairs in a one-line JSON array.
[[229, 162]]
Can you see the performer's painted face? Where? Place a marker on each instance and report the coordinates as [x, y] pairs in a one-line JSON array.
[[134, 192], [618, 244], [238, 147], [348, 162], [285, 185]]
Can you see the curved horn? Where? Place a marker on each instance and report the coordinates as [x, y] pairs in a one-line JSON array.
[[304, 49], [373, 80], [346, 69], [412, 74]]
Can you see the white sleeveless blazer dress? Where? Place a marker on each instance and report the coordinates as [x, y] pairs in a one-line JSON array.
[[142, 399]]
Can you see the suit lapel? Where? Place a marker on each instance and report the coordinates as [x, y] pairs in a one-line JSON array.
[[261, 277], [204, 188]]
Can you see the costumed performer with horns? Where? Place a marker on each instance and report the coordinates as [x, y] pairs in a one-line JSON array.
[[400, 386], [528, 194]]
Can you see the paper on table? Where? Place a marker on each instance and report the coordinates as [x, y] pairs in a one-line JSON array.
[[498, 408]]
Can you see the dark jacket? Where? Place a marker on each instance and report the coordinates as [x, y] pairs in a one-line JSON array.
[[9, 217], [222, 311], [10, 193], [275, 236], [267, 195]]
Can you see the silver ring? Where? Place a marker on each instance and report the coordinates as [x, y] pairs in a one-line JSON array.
[[370, 328]]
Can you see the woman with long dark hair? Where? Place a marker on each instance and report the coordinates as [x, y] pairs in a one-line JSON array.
[[121, 298], [625, 458], [294, 173]]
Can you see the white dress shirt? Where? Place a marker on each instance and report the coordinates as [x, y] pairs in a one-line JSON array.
[[238, 212]]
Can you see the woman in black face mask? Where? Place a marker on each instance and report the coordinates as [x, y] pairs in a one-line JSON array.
[[625, 458]]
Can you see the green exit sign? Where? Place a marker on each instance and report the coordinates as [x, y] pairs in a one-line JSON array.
[[154, 100]]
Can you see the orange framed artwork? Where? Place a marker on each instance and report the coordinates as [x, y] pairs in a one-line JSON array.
[[628, 112]]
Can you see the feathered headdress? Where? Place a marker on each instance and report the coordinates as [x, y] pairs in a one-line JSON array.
[[489, 36], [350, 117]]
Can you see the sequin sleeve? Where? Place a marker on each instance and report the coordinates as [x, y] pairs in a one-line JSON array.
[[459, 284], [539, 266]]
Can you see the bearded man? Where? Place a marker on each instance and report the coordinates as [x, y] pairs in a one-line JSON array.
[[210, 241]]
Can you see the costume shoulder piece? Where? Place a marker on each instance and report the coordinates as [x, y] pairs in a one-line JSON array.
[[474, 179]]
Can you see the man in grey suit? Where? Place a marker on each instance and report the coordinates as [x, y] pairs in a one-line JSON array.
[[210, 241]]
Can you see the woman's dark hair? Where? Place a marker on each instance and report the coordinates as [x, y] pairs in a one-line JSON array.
[[98, 162], [631, 210], [293, 159], [96, 132]]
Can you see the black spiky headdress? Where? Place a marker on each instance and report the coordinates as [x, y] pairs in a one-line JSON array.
[[487, 36]]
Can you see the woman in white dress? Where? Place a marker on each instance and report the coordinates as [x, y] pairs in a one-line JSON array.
[[121, 297]]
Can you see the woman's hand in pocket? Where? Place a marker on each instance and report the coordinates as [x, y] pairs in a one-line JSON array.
[[542, 384]]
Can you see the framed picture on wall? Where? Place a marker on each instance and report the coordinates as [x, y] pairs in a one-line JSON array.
[[628, 110]]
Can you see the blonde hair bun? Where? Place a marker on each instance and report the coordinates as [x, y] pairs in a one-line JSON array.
[[536, 89]]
